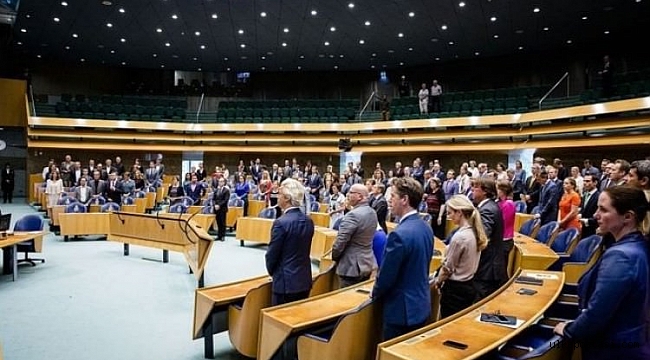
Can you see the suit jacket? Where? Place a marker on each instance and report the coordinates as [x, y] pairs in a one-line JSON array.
[[381, 208], [549, 200], [114, 194], [314, 183], [151, 175], [402, 283], [201, 174], [8, 180], [352, 249], [492, 266], [287, 257], [195, 194], [97, 187], [79, 193], [532, 188], [587, 211], [614, 298], [221, 197]]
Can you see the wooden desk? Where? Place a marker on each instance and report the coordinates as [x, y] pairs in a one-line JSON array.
[[9, 248], [481, 338], [151, 200], [322, 242], [233, 215], [254, 229], [521, 218], [141, 205], [56, 211], [166, 232], [74, 224], [532, 254], [323, 207], [320, 219], [255, 207], [281, 322]]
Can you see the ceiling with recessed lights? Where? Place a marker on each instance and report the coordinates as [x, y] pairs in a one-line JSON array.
[[276, 35]]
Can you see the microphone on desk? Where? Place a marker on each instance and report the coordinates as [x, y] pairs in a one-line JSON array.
[[162, 225], [119, 217]]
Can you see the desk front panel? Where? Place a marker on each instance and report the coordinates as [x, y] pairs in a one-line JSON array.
[[254, 229], [84, 223], [320, 219], [233, 214], [532, 254], [322, 241], [255, 207]]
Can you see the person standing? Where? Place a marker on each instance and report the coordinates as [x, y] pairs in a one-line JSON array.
[[352, 249], [53, 189], [380, 205], [548, 199], [402, 284], [287, 257], [613, 295], [423, 99], [456, 277], [220, 199], [607, 77], [588, 206], [8, 182], [436, 95], [569, 206]]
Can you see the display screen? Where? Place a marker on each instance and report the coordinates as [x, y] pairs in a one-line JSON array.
[[10, 4]]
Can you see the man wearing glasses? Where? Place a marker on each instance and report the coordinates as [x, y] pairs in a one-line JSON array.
[[352, 249]]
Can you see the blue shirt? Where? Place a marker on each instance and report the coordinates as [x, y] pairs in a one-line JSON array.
[[378, 245], [242, 189]]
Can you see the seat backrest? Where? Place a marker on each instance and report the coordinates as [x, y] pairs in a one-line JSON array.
[[110, 206], [178, 209], [323, 282], [565, 241], [187, 201], [66, 200], [314, 206], [427, 218], [206, 209], [268, 213], [585, 249], [520, 206], [547, 232], [528, 226], [76, 208], [233, 195], [128, 200], [140, 194], [336, 224], [30, 222], [208, 201], [536, 210], [368, 317], [100, 200], [422, 207], [236, 202]]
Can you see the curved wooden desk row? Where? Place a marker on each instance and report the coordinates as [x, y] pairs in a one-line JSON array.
[[257, 229], [235, 307]]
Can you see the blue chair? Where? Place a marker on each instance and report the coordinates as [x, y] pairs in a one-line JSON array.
[[422, 207], [233, 196], [535, 342], [76, 208], [186, 200], [235, 203], [208, 201], [312, 198], [109, 207], [535, 210], [140, 194], [151, 189], [336, 224], [268, 213], [29, 223], [207, 209], [258, 196], [565, 241], [520, 206], [530, 227], [585, 254], [178, 209], [314, 207], [426, 217], [547, 233], [128, 200], [66, 200], [100, 200]]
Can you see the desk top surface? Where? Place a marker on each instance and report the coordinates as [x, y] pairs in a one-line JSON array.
[[18, 237], [529, 247], [227, 293], [481, 337]]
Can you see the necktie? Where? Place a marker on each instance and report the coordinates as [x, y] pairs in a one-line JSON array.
[[587, 196]]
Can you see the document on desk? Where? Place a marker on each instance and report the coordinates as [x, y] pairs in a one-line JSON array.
[[512, 326], [541, 276]]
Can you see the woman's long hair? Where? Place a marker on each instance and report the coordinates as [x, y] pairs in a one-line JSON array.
[[461, 203]]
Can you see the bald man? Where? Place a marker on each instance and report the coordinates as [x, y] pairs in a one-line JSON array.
[[352, 249]]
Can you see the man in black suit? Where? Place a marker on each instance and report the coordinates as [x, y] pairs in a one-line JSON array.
[[314, 182], [380, 205], [531, 189], [287, 257], [201, 174], [114, 189], [548, 199], [195, 190], [589, 205], [97, 185], [220, 198], [492, 267], [8, 182]]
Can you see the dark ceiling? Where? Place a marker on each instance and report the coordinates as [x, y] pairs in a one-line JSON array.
[[273, 35]]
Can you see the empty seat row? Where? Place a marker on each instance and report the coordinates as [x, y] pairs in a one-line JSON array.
[[124, 100], [115, 112], [281, 104]]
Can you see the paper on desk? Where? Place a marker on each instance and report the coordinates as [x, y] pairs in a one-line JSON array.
[[541, 276], [513, 326]]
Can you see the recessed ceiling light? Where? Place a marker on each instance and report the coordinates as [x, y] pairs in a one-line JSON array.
[[451, 43], [66, 47], [410, 49], [299, 67], [38, 56], [263, 14], [112, 51], [82, 59], [284, 44], [331, 56], [367, 23], [461, 4], [214, 16], [536, 10], [519, 31], [107, 3], [227, 69], [162, 66], [400, 35], [197, 33], [314, 13], [225, 59], [168, 44], [202, 47], [545, 29], [638, 1], [341, 56], [174, 16], [351, 5], [411, 14], [332, 29], [362, 41], [437, 59], [401, 63], [606, 32], [123, 40], [75, 36], [263, 68], [286, 30], [23, 30], [569, 41], [493, 18], [521, 48], [444, 27], [496, 36], [122, 11], [56, 19], [336, 67], [109, 25], [199, 69], [327, 43], [477, 53], [240, 32], [64, 3], [123, 62], [155, 55], [372, 66], [302, 56], [373, 54], [584, 18], [159, 30], [242, 46], [263, 58]]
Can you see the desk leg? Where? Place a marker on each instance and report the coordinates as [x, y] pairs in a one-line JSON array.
[[201, 281], [241, 242], [208, 339], [6, 260], [165, 256], [126, 249], [14, 260]]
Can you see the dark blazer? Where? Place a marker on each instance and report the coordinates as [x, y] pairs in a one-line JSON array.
[[195, 194], [287, 257], [614, 298], [114, 194], [314, 183], [8, 180], [381, 208], [587, 211], [402, 283], [201, 174], [549, 200], [492, 266], [221, 197], [97, 187], [532, 188]]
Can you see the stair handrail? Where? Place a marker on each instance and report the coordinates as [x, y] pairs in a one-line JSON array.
[[565, 76], [198, 111], [372, 96]]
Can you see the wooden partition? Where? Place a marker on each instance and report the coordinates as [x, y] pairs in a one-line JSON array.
[[233, 215], [255, 207], [532, 254], [322, 242], [320, 218], [254, 229]]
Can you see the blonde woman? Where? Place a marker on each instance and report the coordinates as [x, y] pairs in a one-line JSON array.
[[456, 277], [53, 189]]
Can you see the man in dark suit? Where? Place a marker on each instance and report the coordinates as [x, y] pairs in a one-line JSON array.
[[114, 189], [531, 189], [380, 205], [314, 182], [119, 166], [8, 181], [402, 283], [220, 198], [83, 193], [256, 171], [352, 249], [548, 199], [589, 205], [97, 185], [492, 267], [287, 257], [201, 174], [195, 190]]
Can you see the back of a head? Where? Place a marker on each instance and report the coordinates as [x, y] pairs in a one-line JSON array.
[[409, 187], [294, 191], [488, 185]]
